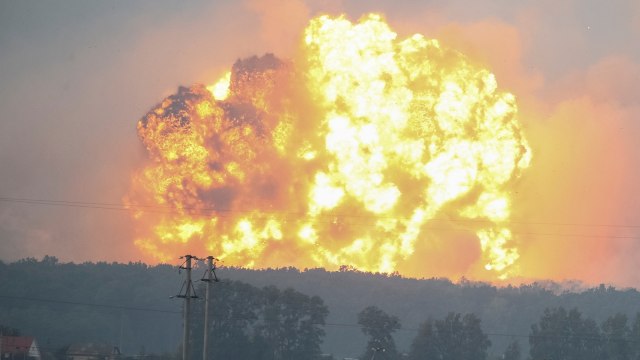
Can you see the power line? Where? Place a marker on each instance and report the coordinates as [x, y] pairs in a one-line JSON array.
[[329, 324], [67, 302], [328, 218], [220, 212]]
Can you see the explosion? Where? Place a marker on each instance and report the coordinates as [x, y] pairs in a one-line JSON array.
[[346, 155]]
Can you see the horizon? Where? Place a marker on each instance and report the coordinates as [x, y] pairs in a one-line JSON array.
[[556, 287]]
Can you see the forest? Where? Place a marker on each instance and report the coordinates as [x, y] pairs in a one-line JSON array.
[[313, 313]]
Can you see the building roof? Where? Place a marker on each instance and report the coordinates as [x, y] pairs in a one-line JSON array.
[[16, 344]]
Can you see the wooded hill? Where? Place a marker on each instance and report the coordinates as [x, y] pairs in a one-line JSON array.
[[129, 304]]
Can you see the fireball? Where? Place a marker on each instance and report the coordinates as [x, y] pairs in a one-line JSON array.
[[346, 155]]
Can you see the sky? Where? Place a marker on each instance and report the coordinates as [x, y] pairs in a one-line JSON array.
[[75, 77]]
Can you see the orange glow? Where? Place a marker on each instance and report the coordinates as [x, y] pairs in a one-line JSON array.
[[348, 156]]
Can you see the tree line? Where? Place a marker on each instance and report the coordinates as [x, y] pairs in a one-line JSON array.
[[272, 324], [129, 305], [559, 334]]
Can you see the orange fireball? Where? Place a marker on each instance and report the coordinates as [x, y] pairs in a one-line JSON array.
[[349, 155]]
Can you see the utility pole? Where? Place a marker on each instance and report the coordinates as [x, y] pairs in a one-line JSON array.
[[210, 277], [187, 296]]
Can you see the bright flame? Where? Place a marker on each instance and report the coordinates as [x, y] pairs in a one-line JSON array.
[[345, 158], [220, 90]]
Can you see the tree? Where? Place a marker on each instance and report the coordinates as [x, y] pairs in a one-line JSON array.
[[456, 337], [426, 344], [291, 324], [616, 334], [512, 352], [565, 335], [248, 323], [379, 327], [234, 310], [634, 338]]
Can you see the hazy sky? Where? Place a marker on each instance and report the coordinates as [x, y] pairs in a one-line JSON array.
[[75, 76]]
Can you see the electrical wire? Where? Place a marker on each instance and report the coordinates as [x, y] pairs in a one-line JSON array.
[[217, 211], [325, 218], [67, 302], [328, 324]]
